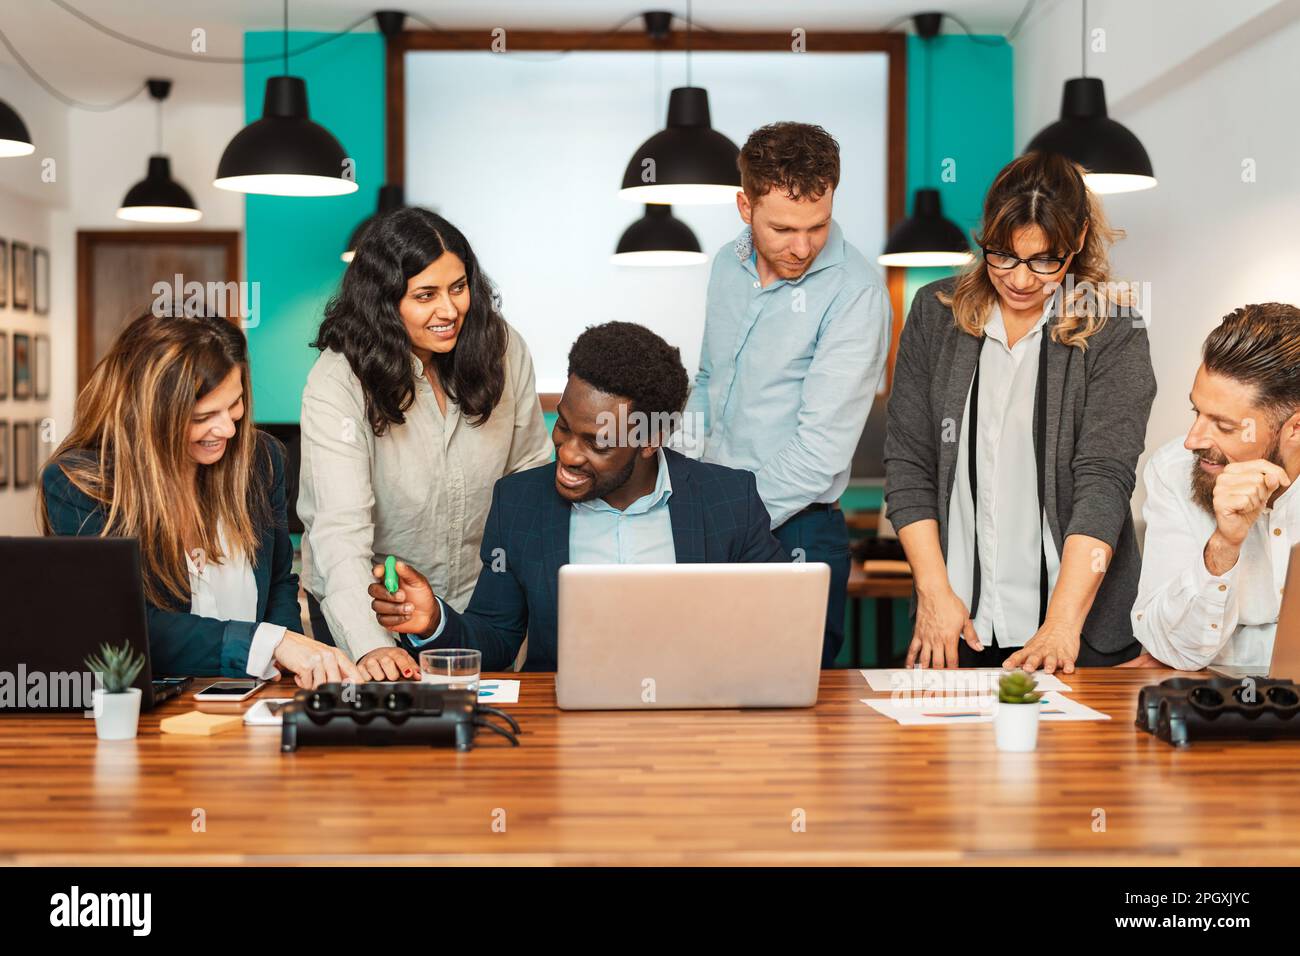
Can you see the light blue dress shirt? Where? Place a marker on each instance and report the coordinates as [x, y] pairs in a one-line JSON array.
[[788, 372], [642, 533]]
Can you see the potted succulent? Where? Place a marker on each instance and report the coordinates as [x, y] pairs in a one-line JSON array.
[[117, 703], [1015, 721]]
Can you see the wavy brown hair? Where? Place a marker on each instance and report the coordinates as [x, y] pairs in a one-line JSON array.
[[800, 159], [1044, 190], [128, 449]]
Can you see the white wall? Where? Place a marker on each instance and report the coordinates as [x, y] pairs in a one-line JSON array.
[[1205, 85], [526, 156]]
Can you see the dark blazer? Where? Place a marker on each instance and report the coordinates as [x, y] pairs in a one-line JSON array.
[[181, 643], [716, 515], [1098, 401]]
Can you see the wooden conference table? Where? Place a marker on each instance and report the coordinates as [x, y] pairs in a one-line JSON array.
[[697, 787]]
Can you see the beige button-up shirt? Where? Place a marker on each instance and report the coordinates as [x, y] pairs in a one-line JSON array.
[[420, 492]]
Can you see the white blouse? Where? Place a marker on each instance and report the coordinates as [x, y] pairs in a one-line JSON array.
[[228, 592], [1012, 527]]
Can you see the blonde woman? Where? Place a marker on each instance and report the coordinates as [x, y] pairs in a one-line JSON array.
[[1018, 412], [161, 450]]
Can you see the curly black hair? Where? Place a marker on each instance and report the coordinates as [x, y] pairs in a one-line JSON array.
[[630, 361], [363, 321]]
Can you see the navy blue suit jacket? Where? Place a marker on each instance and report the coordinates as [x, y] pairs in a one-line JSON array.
[[716, 514], [186, 644]]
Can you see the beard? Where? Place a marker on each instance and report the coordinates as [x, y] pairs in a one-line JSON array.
[[1203, 483], [600, 487]]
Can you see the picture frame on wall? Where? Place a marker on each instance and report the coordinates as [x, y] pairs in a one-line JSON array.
[[4, 454], [22, 366], [24, 463], [41, 368], [4, 364], [22, 274], [4, 272], [41, 281]]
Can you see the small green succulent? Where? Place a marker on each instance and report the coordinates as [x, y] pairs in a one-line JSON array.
[[118, 667], [1017, 687]]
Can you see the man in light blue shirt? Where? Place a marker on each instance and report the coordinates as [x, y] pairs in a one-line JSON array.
[[796, 337], [613, 495]]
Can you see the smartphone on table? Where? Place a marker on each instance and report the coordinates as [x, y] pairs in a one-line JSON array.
[[230, 690]]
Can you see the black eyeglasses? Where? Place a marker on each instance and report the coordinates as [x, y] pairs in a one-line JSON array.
[[1042, 265]]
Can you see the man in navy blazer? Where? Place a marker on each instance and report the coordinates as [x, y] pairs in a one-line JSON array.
[[613, 495]]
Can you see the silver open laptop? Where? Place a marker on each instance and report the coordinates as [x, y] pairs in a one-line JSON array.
[[659, 636], [1285, 662]]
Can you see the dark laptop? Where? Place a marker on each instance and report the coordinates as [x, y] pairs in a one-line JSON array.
[[60, 599]]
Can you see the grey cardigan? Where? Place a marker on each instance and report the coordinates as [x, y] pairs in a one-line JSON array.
[[1098, 401]]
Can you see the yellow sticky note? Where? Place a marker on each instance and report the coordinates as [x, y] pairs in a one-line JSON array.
[[197, 723]]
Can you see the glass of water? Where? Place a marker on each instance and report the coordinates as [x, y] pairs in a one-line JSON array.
[[451, 668]]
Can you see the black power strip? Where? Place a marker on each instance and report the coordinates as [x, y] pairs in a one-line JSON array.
[[388, 714], [1183, 709]]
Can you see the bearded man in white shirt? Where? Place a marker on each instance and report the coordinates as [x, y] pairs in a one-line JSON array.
[[1222, 511]]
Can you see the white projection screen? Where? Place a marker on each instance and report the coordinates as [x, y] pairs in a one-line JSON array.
[[525, 153]]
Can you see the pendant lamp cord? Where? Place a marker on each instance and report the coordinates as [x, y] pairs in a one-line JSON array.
[[690, 26], [286, 37], [655, 104], [1083, 45], [158, 126]]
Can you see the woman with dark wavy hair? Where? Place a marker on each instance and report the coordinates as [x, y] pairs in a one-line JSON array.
[[423, 396]]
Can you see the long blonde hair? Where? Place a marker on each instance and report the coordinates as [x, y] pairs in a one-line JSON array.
[[128, 448], [1044, 190]]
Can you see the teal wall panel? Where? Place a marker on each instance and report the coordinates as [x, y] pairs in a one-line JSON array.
[[972, 123], [292, 244]]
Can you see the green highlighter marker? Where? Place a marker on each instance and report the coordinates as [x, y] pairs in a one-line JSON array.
[[390, 574]]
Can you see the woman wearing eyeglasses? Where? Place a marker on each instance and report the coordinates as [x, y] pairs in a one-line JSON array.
[[1018, 411]]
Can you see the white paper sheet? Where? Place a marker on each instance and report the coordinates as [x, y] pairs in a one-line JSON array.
[[961, 680], [499, 691], [972, 710]]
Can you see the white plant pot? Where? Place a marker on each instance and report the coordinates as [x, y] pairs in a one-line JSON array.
[[117, 715], [1016, 726]]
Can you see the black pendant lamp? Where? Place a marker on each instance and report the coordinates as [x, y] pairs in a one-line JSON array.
[[926, 238], [1114, 159], [390, 198], [284, 153], [158, 197], [14, 138], [658, 238], [688, 162]]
